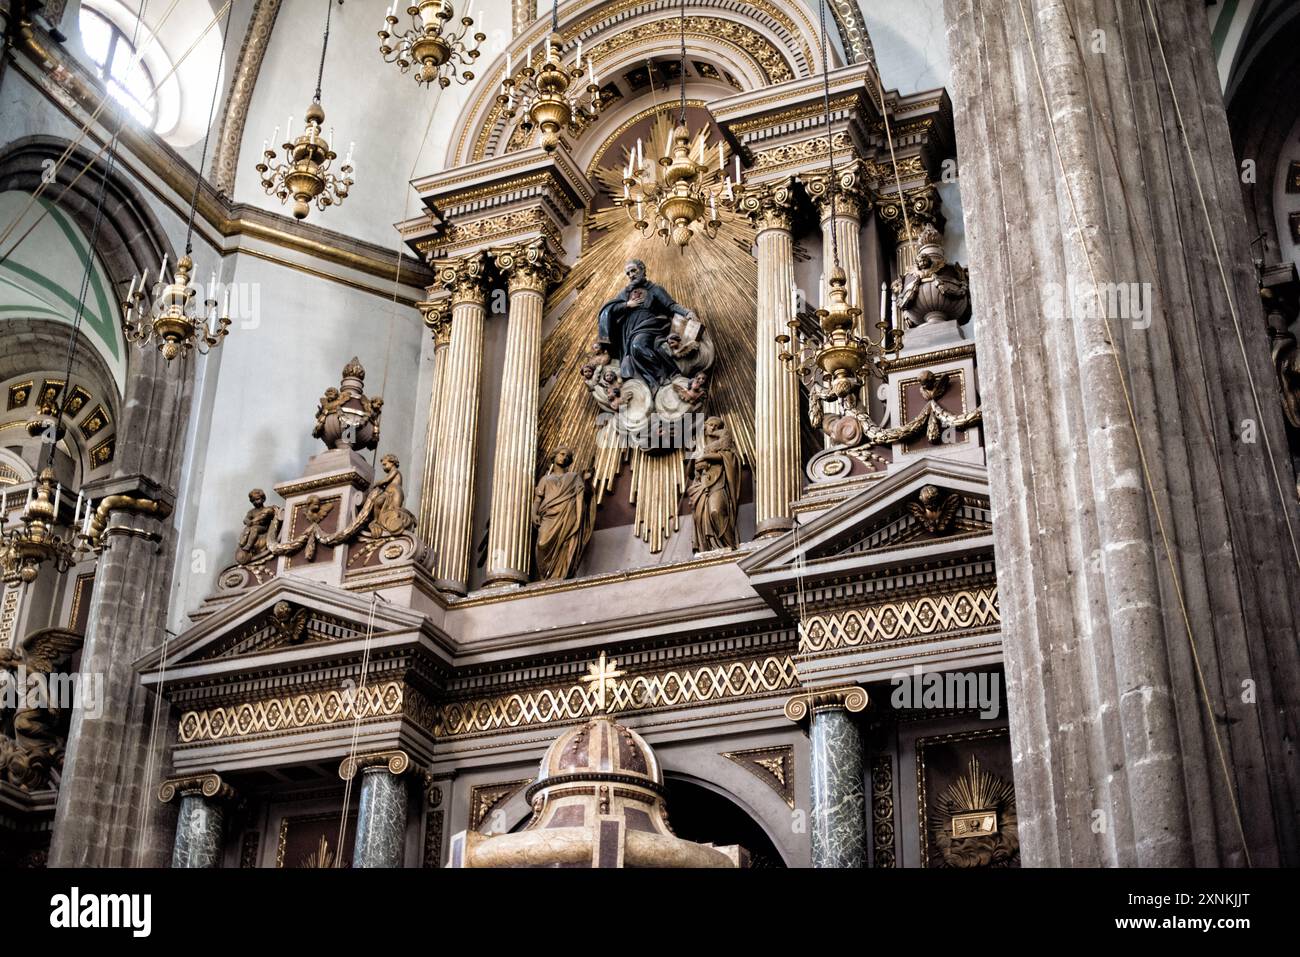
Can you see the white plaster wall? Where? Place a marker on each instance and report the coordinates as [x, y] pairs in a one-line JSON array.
[[910, 42], [255, 427]]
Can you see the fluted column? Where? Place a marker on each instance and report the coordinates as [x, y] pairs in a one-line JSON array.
[[453, 508], [839, 798], [437, 316], [905, 215], [776, 393], [381, 809], [200, 823], [846, 237], [529, 269]]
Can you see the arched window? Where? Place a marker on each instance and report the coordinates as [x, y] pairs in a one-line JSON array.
[[126, 77]]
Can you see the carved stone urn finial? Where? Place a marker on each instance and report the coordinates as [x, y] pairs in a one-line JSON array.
[[345, 418]]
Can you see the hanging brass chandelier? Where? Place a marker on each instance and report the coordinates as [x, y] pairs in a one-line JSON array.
[[170, 315], [302, 168], [34, 539], [835, 362], [440, 52], [552, 97], [679, 192]]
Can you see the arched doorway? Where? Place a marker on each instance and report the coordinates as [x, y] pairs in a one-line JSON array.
[[700, 814]]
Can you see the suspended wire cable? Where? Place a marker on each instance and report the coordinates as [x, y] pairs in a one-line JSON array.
[[207, 138], [682, 67], [71, 147], [53, 440], [832, 183], [320, 73]]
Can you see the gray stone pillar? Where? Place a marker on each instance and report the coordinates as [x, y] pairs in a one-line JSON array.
[[1146, 572], [200, 825], [839, 800], [382, 809]]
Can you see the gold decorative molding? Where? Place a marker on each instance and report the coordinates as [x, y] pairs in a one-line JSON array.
[[849, 698], [225, 158], [773, 766], [793, 115], [882, 811], [484, 798], [787, 155], [899, 619], [635, 692], [209, 786], [291, 713]]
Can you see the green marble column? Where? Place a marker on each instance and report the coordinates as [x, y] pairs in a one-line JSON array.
[[839, 799], [200, 823], [382, 808]]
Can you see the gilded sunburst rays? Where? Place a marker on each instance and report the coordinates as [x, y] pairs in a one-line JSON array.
[[719, 280]]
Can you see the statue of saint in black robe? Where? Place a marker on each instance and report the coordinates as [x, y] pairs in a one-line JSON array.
[[634, 328]]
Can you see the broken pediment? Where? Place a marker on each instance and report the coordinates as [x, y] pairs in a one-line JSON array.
[[934, 506]]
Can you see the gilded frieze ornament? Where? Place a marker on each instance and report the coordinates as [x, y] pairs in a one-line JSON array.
[[552, 96], [306, 170], [440, 51]]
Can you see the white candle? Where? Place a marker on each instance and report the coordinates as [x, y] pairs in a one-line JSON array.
[[640, 157], [794, 299], [212, 286], [58, 494], [275, 137], [579, 53], [29, 498], [76, 513], [351, 149], [639, 215], [225, 304], [737, 170], [713, 206], [85, 528], [265, 146], [130, 292], [288, 127], [591, 72], [721, 159], [4, 508], [163, 271]]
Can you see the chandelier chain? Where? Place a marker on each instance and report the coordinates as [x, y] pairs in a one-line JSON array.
[[682, 23], [832, 185], [325, 42]]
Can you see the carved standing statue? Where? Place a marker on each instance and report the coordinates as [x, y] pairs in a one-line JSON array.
[[33, 725], [257, 528], [564, 512], [714, 492], [389, 516]]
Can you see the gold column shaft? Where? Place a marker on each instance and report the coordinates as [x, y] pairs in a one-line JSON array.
[[514, 467], [456, 440], [428, 490], [776, 396]]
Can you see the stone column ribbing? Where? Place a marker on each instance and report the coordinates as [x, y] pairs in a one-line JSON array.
[[514, 467], [776, 391], [1075, 171], [458, 425]]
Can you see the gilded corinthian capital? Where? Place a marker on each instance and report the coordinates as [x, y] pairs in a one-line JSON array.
[[923, 208], [770, 206], [465, 277], [529, 266], [848, 187], [436, 314]]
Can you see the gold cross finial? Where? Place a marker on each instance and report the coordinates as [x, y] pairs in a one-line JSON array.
[[601, 674]]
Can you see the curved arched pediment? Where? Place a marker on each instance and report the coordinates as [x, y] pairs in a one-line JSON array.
[[749, 44]]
